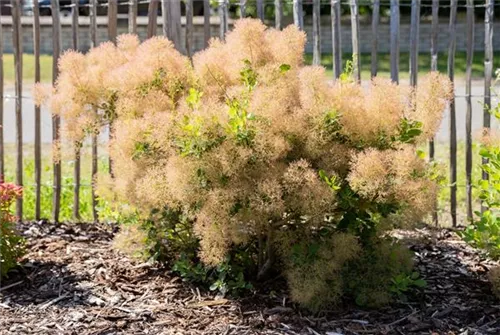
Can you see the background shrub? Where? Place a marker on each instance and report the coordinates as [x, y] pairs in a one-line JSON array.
[[11, 244], [248, 162]]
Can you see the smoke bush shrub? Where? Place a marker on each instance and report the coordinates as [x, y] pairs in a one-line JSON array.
[[11, 244], [249, 158]]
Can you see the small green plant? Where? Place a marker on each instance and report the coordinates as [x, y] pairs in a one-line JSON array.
[[11, 244], [484, 233], [403, 284]]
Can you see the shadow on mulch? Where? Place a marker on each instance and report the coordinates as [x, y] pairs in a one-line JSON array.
[[43, 284]]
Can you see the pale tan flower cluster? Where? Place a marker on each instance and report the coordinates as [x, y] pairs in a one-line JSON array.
[[240, 136]]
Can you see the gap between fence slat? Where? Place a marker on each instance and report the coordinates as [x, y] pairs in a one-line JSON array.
[[2, 148]]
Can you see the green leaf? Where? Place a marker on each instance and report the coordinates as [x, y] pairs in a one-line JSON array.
[[284, 68]]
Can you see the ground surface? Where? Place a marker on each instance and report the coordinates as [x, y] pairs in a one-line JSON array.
[[74, 283]]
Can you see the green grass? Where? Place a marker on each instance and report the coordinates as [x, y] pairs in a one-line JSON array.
[[28, 68], [107, 213], [442, 157], [326, 60], [424, 63], [67, 165]]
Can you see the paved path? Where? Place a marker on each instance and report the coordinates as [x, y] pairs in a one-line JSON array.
[[28, 116]]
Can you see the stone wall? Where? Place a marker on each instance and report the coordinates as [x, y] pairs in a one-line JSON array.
[[198, 34]]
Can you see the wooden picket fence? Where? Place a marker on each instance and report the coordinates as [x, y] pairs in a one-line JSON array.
[[171, 27]]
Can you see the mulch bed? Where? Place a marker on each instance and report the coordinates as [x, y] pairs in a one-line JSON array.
[[73, 282]]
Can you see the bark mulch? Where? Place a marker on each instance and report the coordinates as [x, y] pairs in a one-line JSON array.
[[73, 282]]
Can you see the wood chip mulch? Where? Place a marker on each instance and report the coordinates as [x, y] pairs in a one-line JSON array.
[[73, 282]]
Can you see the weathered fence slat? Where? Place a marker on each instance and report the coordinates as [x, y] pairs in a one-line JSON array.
[[56, 120], [95, 170], [174, 21], [206, 21], [77, 166], [243, 8], [38, 125], [74, 22], [93, 43], [2, 148], [298, 15], [414, 35], [316, 32], [93, 23], [189, 27], [18, 64], [152, 18], [375, 22], [223, 14], [278, 14], [132, 16], [468, 116], [434, 67], [488, 70], [395, 40], [112, 20], [336, 44], [355, 39], [165, 13], [112, 32], [260, 9], [453, 121]]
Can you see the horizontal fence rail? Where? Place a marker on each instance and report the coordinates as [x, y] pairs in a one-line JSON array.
[[169, 14]]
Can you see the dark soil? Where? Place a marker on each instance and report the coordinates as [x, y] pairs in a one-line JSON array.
[[73, 282]]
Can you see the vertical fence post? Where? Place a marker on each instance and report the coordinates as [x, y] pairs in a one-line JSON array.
[[206, 21], [38, 126], [414, 35], [152, 18], [223, 14], [112, 20], [488, 71], [298, 16], [395, 41], [260, 9], [375, 22], [434, 67], [243, 8], [174, 22], [316, 32], [2, 162], [132, 17], [189, 27], [468, 116], [93, 23], [355, 39], [56, 120], [77, 145], [165, 13], [18, 63], [336, 43], [278, 13], [95, 167], [453, 121]]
